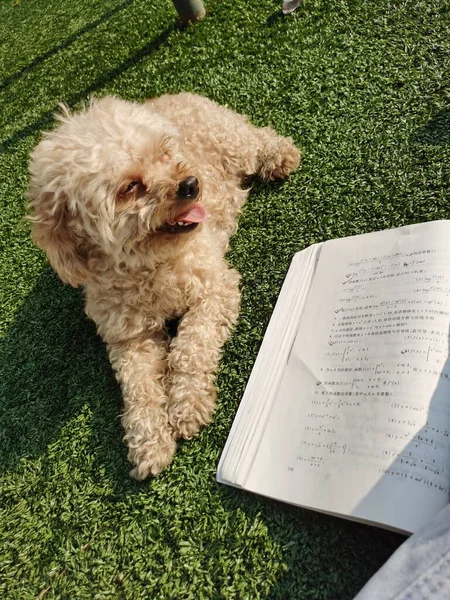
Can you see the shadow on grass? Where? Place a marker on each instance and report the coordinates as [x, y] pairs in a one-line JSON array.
[[52, 364], [63, 45], [46, 118], [274, 18], [437, 131], [333, 556]]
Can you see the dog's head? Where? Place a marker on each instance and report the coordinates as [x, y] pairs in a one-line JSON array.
[[110, 182]]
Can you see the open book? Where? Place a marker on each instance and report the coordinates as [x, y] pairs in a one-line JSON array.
[[347, 409]]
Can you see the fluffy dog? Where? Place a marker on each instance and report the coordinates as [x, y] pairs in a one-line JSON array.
[[137, 202]]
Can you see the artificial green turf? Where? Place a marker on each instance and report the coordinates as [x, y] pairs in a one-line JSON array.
[[363, 87]]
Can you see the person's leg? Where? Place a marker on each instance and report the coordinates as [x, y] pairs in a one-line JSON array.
[[419, 569]]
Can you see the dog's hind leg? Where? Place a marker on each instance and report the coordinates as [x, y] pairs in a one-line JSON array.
[[277, 156]]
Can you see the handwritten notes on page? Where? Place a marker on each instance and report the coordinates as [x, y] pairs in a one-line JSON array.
[[361, 423]]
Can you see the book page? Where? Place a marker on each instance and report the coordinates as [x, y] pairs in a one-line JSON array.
[[361, 423], [260, 392]]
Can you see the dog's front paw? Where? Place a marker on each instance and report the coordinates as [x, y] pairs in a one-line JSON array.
[[282, 160], [150, 454], [191, 404]]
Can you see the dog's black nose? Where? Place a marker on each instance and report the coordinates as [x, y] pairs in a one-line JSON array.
[[188, 188]]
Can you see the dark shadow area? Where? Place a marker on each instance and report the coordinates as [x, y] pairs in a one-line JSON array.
[[257, 186], [437, 131], [46, 118], [275, 17], [63, 45], [52, 364], [329, 547], [172, 327]]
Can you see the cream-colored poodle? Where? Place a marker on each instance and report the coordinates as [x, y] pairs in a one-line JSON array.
[[137, 202]]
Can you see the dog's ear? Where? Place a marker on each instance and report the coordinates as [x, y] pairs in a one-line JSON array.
[[53, 232]]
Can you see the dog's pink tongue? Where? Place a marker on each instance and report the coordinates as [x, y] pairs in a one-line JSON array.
[[196, 214]]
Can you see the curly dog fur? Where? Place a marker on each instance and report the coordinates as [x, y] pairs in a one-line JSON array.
[[109, 211]]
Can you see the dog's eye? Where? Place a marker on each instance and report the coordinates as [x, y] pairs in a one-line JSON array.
[[131, 187]]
